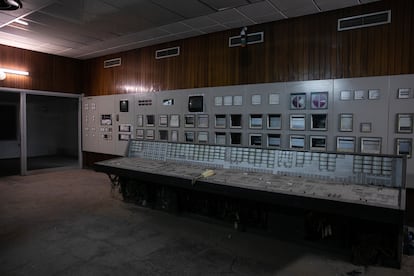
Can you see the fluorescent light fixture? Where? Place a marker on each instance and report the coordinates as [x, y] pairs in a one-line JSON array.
[[16, 72], [21, 22]]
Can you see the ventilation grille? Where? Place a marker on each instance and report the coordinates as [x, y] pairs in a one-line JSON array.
[[112, 62], [365, 20], [144, 102], [252, 38], [169, 52]]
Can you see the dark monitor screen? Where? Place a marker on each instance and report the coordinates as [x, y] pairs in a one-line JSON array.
[[123, 106], [195, 104]]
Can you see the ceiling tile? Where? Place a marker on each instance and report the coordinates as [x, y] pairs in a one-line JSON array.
[[293, 8], [188, 34], [228, 17], [5, 18], [143, 35], [53, 23], [239, 23], [153, 13], [76, 11], [59, 39], [327, 5], [213, 28], [261, 12], [176, 28], [185, 8], [200, 22], [224, 4]]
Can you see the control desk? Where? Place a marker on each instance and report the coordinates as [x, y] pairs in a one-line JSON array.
[[367, 187]]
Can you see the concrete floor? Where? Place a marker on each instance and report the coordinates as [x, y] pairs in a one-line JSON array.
[[69, 223]]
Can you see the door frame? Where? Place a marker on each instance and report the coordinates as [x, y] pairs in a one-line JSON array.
[[23, 121]]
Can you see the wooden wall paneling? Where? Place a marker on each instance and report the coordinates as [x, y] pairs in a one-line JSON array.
[[407, 25], [410, 22], [199, 74], [67, 75], [224, 63], [397, 38], [279, 45], [331, 39], [46, 72], [42, 71], [271, 54], [306, 47], [382, 54]]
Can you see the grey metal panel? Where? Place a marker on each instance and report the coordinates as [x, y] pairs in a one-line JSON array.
[[123, 119], [93, 132], [401, 106], [228, 94], [374, 111], [309, 87], [371, 100]]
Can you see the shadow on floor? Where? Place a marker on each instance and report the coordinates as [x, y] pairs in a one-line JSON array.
[[12, 166]]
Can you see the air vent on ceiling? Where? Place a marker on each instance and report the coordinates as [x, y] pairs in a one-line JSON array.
[[169, 52], [252, 38], [112, 62], [364, 20]]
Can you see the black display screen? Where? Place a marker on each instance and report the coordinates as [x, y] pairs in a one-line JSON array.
[[195, 104], [123, 106]]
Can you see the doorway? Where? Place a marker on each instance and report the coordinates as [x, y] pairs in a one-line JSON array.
[[9, 134], [40, 130], [52, 132]]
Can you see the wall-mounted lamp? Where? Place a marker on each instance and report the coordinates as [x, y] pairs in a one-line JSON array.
[[3, 72]]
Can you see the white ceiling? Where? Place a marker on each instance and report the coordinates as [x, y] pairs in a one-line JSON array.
[[85, 29]]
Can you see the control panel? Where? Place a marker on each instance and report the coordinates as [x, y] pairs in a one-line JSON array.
[[372, 116]]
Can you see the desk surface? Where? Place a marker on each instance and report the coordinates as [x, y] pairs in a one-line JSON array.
[[384, 197]]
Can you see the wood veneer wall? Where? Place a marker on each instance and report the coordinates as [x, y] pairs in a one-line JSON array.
[[303, 48], [46, 72]]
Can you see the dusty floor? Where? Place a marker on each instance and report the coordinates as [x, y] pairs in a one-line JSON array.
[[69, 223]]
